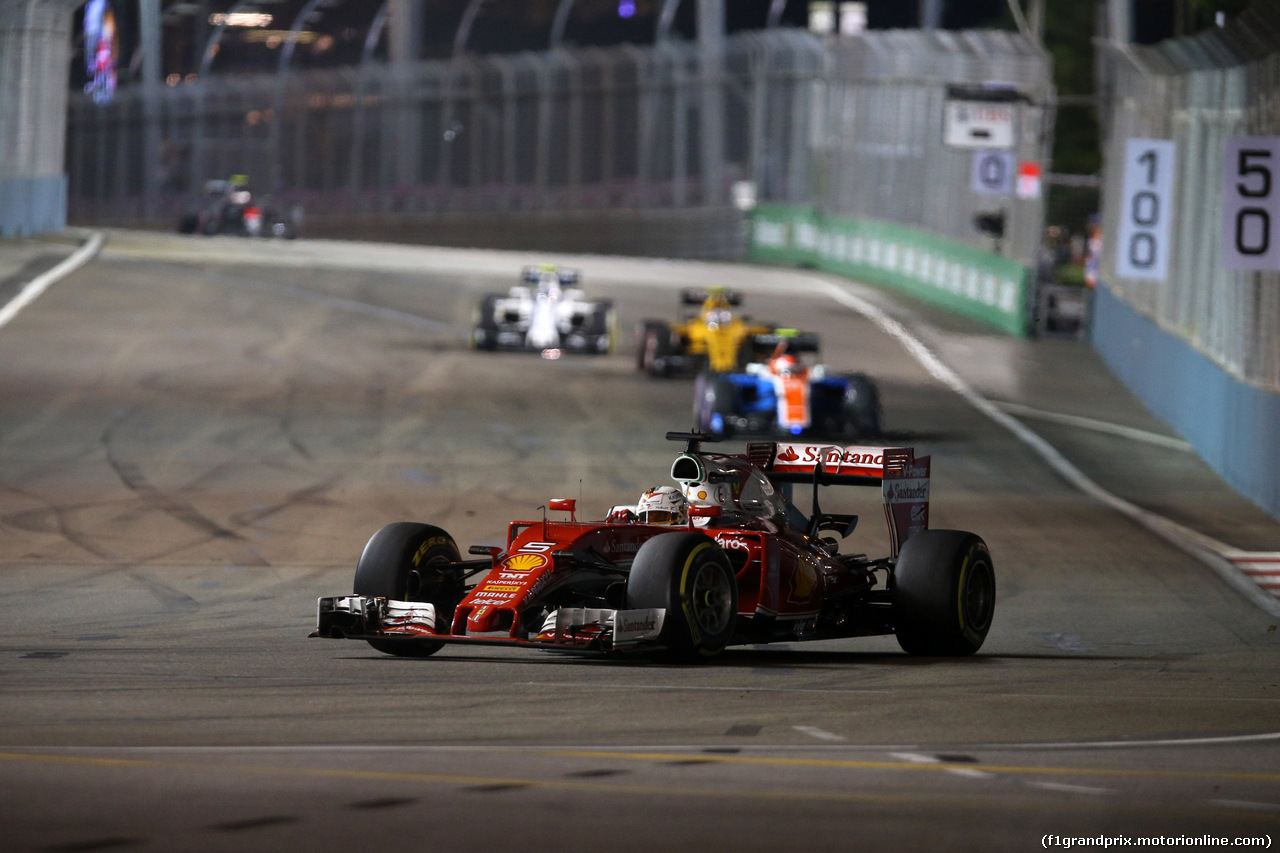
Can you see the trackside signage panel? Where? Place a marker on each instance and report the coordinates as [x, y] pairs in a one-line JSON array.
[[993, 172], [1251, 203], [978, 124], [1146, 209]]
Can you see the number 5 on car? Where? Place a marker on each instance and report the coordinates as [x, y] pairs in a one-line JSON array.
[[1251, 203]]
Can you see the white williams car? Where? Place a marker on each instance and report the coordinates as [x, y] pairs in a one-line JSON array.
[[548, 313]]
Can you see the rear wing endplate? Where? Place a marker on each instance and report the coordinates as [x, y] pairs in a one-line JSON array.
[[903, 477]]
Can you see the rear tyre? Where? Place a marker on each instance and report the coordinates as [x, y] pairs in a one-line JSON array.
[[688, 574], [406, 561], [943, 593], [653, 348], [484, 329], [714, 404], [861, 407], [604, 329]]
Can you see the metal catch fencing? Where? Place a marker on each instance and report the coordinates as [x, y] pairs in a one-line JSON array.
[[1198, 92], [850, 125], [881, 137], [564, 129]]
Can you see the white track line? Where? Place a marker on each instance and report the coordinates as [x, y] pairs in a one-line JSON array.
[[1097, 426], [820, 734], [1059, 787], [41, 283], [1205, 548], [918, 758]]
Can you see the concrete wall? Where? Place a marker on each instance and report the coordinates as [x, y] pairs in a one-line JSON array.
[[1233, 425], [35, 45]]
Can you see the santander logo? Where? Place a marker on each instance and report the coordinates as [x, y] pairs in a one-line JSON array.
[[831, 456]]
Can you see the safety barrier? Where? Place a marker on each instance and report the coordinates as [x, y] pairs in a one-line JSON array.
[[1192, 331], [951, 275]]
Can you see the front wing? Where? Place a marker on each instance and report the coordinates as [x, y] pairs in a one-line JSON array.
[[516, 338], [359, 617]]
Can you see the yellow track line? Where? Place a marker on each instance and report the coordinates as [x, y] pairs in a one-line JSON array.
[[703, 758]]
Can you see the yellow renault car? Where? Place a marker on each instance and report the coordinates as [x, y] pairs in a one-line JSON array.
[[715, 338]]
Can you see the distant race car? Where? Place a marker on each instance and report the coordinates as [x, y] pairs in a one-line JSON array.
[[786, 396], [723, 558], [546, 314], [715, 338], [228, 207]]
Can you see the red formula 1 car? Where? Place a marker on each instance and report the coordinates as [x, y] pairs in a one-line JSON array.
[[745, 567]]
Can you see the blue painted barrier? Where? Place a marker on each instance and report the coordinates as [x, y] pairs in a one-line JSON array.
[[1234, 426]]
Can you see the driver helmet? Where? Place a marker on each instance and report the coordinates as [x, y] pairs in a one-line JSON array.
[[718, 317], [663, 505], [786, 364]]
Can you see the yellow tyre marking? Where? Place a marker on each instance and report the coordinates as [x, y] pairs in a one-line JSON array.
[[428, 545], [695, 633]]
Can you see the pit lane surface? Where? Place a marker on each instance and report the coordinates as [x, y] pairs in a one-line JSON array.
[[197, 438]]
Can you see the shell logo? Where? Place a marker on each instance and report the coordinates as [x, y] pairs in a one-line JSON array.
[[524, 562]]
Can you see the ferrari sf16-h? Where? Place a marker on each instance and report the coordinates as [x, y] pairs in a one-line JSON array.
[[744, 566]]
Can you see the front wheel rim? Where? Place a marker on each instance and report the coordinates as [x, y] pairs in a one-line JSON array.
[[978, 597], [712, 599]]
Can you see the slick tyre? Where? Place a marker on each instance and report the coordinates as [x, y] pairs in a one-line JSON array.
[[861, 407], [943, 593], [484, 326], [604, 329], [688, 575], [406, 561], [653, 348], [714, 405]]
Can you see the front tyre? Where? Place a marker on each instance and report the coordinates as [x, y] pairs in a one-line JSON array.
[[688, 575], [943, 593], [407, 561]]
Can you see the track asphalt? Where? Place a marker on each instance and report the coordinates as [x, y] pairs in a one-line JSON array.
[[1056, 394]]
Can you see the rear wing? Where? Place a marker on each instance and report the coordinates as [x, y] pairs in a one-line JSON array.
[[697, 297], [903, 477], [796, 341], [533, 273], [831, 464]]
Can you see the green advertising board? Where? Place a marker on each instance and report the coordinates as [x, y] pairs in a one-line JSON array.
[[959, 278]]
